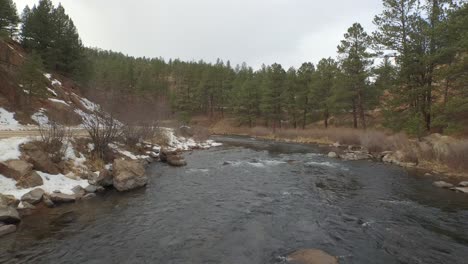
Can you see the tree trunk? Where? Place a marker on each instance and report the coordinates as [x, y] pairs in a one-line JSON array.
[[362, 114], [326, 116], [304, 114], [355, 121]]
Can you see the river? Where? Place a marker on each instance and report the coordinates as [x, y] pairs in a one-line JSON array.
[[254, 201]]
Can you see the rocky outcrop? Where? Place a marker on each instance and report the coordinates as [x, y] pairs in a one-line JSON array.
[[9, 215], [15, 169], [312, 256], [7, 229], [442, 184], [128, 175], [34, 196], [30, 180], [398, 158], [62, 198], [39, 158]]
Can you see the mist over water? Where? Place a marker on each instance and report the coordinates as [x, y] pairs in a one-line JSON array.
[[254, 201]]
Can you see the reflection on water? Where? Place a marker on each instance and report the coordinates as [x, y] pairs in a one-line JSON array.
[[254, 201]]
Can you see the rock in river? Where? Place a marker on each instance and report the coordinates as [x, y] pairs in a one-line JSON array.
[[9, 215], [128, 175], [332, 155], [33, 197], [312, 256], [463, 184], [62, 198], [442, 184]]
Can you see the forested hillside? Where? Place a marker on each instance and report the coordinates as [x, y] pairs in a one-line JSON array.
[[411, 74]]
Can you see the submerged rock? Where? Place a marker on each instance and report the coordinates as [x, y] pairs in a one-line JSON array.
[[33, 197], [312, 256], [176, 161], [460, 189], [442, 184], [89, 196], [9, 215], [128, 175], [7, 229]]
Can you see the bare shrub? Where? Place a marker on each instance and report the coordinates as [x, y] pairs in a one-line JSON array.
[[374, 141], [54, 139], [103, 129], [457, 157], [134, 134]]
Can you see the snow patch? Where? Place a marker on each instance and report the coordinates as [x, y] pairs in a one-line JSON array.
[[52, 92], [9, 148], [89, 105], [40, 117], [52, 183], [7, 120], [58, 101]]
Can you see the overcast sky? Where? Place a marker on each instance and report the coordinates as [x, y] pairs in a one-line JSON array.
[[254, 31]]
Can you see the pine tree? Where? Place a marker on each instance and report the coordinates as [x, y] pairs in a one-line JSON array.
[[356, 63], [31, 77], [304, 83], [8, 18]]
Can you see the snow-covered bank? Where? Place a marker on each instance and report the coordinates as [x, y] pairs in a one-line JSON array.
[[182, 143]]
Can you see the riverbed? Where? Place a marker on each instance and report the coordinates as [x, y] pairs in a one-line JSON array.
[[254, 201]]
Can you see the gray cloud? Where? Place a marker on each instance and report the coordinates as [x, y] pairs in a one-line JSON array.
[[255, 31]]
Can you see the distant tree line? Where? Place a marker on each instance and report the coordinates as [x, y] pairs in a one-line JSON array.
[[414, 68]]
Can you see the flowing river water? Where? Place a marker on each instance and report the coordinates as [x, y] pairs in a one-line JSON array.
[[253, 201]]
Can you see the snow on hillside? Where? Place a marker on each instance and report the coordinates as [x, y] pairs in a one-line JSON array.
[[7, 120], [9, 148], [40, 117]]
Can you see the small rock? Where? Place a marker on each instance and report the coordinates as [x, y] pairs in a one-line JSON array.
[[7, 229], [89, 196], [442, 184], [33, 197], [78, 191], [26, 205], [62, 198], [176, 161], [9, 215], [312, 256], [463, 184], [357, 155], [332, 155], [105, 178], [91, 188], [47, 201]]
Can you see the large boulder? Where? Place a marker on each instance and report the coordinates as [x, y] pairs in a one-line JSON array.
[[62, 198], [312, 256], [34, 196], [7, 229], [39, 158], [9, 215], [30, 180], [15, 169], [128, 175]]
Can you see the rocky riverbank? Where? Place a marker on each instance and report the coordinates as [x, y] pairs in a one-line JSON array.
[[31, 179]]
